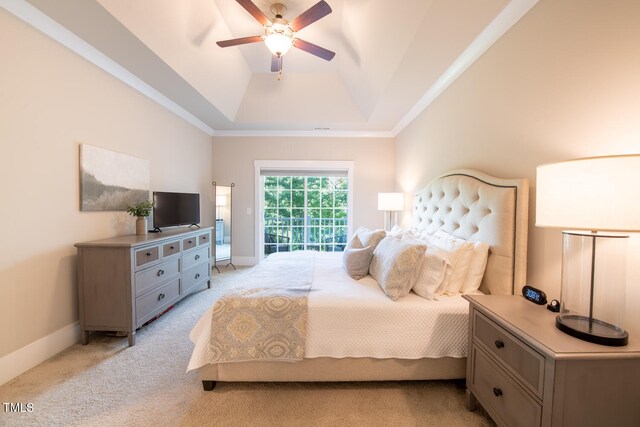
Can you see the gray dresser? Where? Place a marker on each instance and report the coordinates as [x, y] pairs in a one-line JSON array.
[[526, 372], [125, 281]]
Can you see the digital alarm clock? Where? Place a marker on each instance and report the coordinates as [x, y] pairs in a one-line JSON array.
[[534, 295]]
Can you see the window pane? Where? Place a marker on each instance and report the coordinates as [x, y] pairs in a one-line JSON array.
[[297, 183], [327, 199], [313, 199], [297, 199], [270, 182], [341, 199], [284, 213], [270, 199], [313, 183], [284, 182], [297, 216], [327, 182], [284, 199]]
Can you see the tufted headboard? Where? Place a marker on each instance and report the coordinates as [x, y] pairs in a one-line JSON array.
[[478, 207]]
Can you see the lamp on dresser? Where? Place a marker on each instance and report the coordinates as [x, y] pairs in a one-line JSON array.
[[599, 198], [390, 203]]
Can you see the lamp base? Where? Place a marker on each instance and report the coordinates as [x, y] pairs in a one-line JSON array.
[[599, 332]]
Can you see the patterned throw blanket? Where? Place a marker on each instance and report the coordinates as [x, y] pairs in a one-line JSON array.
[[266, 318]]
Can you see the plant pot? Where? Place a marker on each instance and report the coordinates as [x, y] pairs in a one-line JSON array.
[[141, 225]]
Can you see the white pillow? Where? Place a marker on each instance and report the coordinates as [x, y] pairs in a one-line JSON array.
[[459, 252], [393, 265], [478, 264], [433, 269]]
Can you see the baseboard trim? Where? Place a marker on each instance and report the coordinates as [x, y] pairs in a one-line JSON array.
[[31, 355]]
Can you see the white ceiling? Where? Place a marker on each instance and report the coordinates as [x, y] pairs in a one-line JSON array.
[[392, 58]]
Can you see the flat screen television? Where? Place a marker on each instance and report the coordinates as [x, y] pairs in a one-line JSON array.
[[173, 209]]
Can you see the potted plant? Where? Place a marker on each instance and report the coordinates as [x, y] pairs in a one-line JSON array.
[[142, 210]]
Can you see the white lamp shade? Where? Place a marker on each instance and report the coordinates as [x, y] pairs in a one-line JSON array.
[[221, 200], [390, 201], [596, 194]]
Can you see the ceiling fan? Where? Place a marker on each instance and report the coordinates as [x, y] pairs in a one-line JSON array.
[[280, 34]]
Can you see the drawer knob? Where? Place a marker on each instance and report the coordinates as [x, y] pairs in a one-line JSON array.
[[161, 297], [172, 247], [148, 253], [204, 237], [190, 241], [497, 392], [160, 272], [499, 344], [197, 257], [198, 276]]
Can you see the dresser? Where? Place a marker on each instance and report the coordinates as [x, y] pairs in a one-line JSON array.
[[526, 372], [125, 281]]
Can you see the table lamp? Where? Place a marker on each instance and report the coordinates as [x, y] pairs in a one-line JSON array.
[[598, 198], [390, 202]]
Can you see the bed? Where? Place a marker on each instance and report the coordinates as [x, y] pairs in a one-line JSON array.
[[464, 203]]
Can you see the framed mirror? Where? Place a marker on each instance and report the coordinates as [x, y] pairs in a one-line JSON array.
[[222, 254]]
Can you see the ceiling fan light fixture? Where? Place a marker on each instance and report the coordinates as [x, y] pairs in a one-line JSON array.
[[279, 39]]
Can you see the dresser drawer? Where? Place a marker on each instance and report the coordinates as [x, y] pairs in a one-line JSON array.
[[509, 402], [146, 256], [170, 248], [196, 257], [204, 239], [194, 276], [153, 276], [524, 362], [152, 303], [189, 243]]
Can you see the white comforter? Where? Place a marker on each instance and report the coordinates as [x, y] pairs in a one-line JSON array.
[[349, 318]]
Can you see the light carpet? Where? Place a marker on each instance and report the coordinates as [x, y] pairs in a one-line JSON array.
[[107, 383]]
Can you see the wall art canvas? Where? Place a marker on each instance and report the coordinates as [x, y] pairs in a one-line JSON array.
[[111, 181]]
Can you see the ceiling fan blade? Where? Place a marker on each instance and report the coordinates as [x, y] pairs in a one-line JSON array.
[[242, 40], [314, 49], [276, 63], [311, 15], [250, 7]]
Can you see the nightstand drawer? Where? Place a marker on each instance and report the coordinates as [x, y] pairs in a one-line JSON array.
[[147, 279], [506, 400], [524, 362]]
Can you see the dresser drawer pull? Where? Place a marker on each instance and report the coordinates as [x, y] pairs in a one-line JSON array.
[[198, 276], [497, 392], [204, 237], [161, 297], [197, 257], [160, 272], [172, 247], [499, 344], [148, 253], [190, 241]]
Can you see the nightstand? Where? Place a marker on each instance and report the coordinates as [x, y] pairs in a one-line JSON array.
[[526, 372]]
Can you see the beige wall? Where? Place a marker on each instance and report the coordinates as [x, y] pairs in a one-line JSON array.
[[233, 161], [51, 100], [563, 83]]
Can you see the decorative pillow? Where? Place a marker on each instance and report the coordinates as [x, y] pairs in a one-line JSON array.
[[459, 252], [356, 259], [370, 237], [397, 231], [478, 264], [393, 265]]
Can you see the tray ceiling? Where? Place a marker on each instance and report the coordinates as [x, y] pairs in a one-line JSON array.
[[392, 58]]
